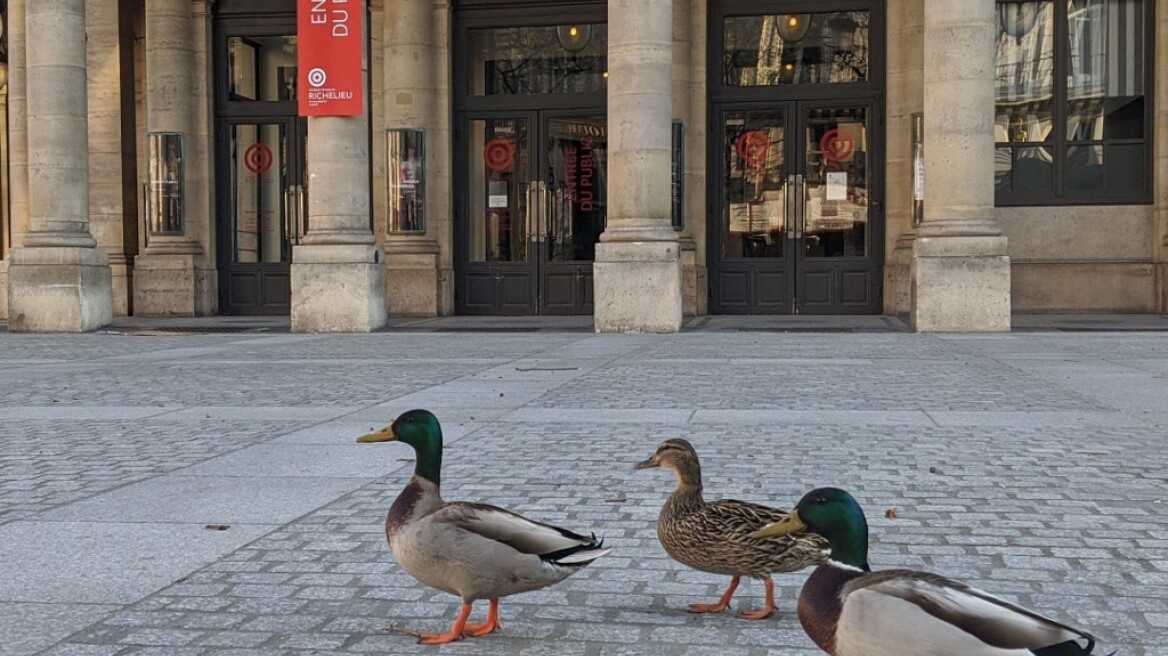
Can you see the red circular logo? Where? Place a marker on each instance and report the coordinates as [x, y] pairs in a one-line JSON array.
[[258, 158], [499, 154], [753, 146], [836, 146]]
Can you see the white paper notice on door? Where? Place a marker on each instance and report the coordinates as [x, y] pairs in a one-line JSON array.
[[837, 185]]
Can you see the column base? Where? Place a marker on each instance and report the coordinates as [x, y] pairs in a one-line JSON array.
[[4, 289], [637, 287], [337, 289], [899, 281], [59, 289], [166, 285], [412, 276], [694, 297], [960, 284]]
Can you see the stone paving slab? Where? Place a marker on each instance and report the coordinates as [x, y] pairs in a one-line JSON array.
[[1029, 464]]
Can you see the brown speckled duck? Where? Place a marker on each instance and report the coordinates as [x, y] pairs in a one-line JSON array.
[[716, 536], [849, 610], [471, 550]]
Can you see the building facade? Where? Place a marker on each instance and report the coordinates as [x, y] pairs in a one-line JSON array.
[[636, 160]]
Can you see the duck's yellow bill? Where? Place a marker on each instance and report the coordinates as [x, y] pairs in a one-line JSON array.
[[383, 435], [792, 524]]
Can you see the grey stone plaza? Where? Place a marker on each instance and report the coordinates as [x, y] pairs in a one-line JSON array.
[[188, 493]]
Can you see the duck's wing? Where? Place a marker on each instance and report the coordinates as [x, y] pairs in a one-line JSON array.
[[951, 604], [550, 543]]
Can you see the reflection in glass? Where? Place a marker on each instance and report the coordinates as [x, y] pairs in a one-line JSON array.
[[1024, 91], [1084, 167], [164, 206], [782, 49], [577, 161], [836, 184], [405, 168], [500, 174], [546, 59], [1105, 92], [262, 68], [756, 190], [1029, 168], [259, 172]]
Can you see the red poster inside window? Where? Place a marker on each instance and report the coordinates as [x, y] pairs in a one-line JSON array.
[[329, 48]]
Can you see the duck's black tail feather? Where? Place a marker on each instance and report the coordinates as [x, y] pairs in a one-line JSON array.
[[1069, 648]]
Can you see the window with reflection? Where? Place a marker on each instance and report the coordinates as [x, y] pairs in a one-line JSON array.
[[1071, 112], [261, 68], [788, 49], [571, 58]]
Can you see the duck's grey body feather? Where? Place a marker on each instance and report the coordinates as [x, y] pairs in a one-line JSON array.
[[478, 551], [909, 613]]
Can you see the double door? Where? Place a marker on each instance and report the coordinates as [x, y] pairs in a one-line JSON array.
[[799, 230], [532, 213]]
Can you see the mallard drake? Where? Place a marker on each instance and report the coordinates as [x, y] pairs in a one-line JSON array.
[[471, 550], [848, 610], [716, 536]]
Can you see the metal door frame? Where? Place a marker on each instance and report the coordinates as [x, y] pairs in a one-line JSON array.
[[535, 108], [230, 112], [792, 99]]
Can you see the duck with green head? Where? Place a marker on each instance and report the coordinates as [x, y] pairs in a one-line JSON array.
[[849, 610], [472, 550]]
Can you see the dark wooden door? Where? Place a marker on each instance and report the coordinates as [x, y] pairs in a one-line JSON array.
[[533, 212]]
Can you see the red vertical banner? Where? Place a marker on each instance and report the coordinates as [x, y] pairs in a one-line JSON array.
[[330, 43]]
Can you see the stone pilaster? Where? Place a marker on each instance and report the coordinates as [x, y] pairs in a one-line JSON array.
[[637, 274], [164, 276], [905, 97], [960, 269], [410, 63], [338, 276], [112, 220], [1160, 166], [58, 281]]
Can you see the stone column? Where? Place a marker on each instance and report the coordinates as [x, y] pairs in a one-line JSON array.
[[338, 277], [58, 281], [16, 191], [905, 91], [164, 274], [409, 70], [960, 269], [637, 274]]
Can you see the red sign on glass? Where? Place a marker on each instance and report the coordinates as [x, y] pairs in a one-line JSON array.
[[329, 48]]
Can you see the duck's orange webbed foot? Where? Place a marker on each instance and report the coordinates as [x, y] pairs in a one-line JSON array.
[[722, 604], [768, 607], [457, 630], [490, 626]]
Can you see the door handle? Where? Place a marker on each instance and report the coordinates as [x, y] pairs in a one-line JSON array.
[[289, 214], [537, 210], [800, 206], [789, 206], [300, 216]]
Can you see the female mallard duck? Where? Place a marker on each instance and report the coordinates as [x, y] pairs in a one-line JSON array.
[[716, 537], [471, 550], [848, 610]]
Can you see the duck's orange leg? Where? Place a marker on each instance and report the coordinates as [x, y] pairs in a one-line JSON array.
[[457, 630], [768, 607], [492, 623], [723, 602]]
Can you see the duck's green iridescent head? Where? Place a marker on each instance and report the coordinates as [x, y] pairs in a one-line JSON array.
[[834, 514], [419, 429]]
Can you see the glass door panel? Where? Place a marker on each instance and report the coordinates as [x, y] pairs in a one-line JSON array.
[[577, 157], [257, 154], [769, 50], [836, 166], [755, 194], [500, 174]]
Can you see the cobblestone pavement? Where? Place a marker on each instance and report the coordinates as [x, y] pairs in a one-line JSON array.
[[199, 494]]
